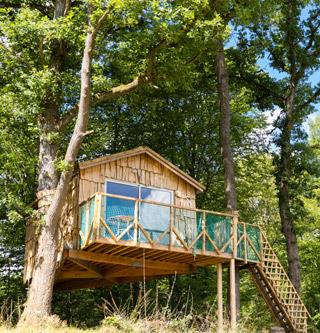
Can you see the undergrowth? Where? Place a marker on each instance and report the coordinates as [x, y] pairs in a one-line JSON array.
[[146, 316]]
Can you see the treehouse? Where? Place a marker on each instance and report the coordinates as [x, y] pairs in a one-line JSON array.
[[132, 216]]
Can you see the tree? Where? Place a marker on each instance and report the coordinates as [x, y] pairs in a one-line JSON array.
[[291, 43], [121, 41]]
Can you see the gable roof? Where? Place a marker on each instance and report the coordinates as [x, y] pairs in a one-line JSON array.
[[150, 152]]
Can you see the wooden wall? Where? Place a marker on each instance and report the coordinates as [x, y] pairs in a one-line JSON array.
[[140, 169], [68, 226]]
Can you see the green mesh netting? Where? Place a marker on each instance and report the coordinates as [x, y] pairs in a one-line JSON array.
[[83, 211], [84, 227], [253, 233], [219, 230], [187, 225], [240, 248]]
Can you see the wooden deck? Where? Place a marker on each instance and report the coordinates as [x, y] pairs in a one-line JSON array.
[[122, 248], [120, 242], [102, 264]]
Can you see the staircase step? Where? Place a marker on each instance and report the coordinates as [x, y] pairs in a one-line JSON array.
[[278, 291]]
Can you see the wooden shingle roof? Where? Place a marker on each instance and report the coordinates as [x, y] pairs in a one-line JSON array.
[[149, 152]]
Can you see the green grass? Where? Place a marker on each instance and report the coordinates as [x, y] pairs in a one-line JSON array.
[[118, 324]]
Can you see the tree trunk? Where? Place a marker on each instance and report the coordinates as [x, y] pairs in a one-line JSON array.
[[284, 195], [38, 305], [225, 146]]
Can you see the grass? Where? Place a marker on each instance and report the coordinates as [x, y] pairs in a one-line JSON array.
[[116, 324], [146, 316]]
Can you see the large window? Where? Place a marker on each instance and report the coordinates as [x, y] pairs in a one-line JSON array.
[[120, 212]]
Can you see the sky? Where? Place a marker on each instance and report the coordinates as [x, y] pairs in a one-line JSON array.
[[314, 80], [264, 63]]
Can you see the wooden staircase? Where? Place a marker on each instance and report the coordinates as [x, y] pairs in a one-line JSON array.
[[278, 291]]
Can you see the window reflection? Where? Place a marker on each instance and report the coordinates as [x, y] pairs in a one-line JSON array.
[[155, 195], [125, 190]]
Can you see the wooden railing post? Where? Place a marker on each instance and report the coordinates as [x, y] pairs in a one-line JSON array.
[[87, 220], [204, 232], [235, 234], [171, 228], [135, 222], [245, 242], [96, 217]]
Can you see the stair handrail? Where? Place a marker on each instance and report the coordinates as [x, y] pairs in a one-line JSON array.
[[265, 239]]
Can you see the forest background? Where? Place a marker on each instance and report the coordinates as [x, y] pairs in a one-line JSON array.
[[154, 83]]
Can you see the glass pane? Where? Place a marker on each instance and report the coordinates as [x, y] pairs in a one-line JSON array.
[[219, 230], [187, 224], [155, 219], [125, 190], [151, 194], [119, 216]]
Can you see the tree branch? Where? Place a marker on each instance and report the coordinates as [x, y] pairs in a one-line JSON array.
[[123, 89], [311, 99], [138, 81], [68, 117]]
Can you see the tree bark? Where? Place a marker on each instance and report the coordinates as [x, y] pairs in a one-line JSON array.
[[285, 150], [38, 305], [225, 146], [284, 193]]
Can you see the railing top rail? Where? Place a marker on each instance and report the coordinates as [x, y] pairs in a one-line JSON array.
[[250, 224], [159, 204]]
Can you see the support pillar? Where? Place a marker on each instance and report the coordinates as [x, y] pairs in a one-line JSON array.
[[220, 299], [233, 306]]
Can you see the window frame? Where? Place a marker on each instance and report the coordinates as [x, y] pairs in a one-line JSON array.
[[139, 189]]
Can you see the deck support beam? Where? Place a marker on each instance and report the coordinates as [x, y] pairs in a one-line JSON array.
[[220, 298], [127, 261], [233, 306], [88, 266]]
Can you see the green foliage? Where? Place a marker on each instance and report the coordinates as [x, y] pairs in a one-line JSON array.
[[177, 114]]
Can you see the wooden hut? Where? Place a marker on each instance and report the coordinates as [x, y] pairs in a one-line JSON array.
[[132, 216]]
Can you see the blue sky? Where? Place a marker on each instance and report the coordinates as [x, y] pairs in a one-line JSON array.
[[264, 63]]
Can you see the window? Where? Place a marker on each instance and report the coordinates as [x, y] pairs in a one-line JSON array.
[[120, 212], [155, 195], [139, 191], [123, 189]]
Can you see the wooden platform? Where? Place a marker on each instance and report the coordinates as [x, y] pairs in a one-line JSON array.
[[101, 264], [121, 248]]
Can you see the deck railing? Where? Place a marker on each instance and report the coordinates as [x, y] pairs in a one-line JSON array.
[[123, 220]]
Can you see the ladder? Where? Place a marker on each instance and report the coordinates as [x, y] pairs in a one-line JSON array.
[[278, 291]]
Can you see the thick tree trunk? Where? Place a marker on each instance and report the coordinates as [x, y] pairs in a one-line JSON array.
[[48, 176], [284, 195], [225, 146], [38, 305]]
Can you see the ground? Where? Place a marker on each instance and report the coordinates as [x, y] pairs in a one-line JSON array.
[[118, 324]]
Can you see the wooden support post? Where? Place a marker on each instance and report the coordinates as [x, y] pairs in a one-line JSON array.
[[220, 300], [96, 217], [233, 307]]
